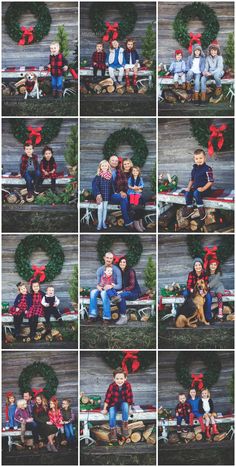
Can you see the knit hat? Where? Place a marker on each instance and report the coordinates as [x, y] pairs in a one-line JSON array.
[[9, 394], [214, 45], [197, 47], [178, 51], [214, 260], [197, 260]]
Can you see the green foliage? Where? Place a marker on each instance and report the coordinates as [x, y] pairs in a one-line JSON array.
[[201, 131], [49, 131], [97, 16], [133, 243], [231, 388], [38, 369], [71, 152], [210, 376], [75, 54], [225, 249], [149, 43], [114, 359], [150, 274], [229, 51], [62, 38], [133, 138], [69, 193], [18, 9], [73, 289]]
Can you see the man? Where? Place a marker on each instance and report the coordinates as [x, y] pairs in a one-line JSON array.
[[32, 426]]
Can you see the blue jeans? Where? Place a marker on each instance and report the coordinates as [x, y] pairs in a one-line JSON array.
[[216, 75], [93, 308], [116, 198], [69, 432], [126, 295], [124, 408], [207, 305], [197, 78], [57, 83], [179, 420], [189, 195], [32, 426], [32, 178], [111, 293]]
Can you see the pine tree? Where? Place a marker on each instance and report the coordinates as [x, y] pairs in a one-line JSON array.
[[62, 38], [149, 44], [71, 152], [150, 274], [73, 289], [229, 51]]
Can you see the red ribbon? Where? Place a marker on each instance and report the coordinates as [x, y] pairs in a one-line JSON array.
[[216, 133], [197, 380], [34, 133], [116, 259], [210, 253], [73, 72], [36, 392], [39, 273], [135, 365], [27, 35], [194, 38], [111, 30]]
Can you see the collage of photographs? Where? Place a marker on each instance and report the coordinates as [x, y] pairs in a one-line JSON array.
[[117, 232]]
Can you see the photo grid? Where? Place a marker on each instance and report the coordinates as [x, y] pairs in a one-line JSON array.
[[117, 233]]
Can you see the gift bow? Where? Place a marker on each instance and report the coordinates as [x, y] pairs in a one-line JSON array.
[[39, 273], [111, 28], [116, 258], [210, 253], [36, 392], [34, 132], [216, 133], [194, 38], [135, 363], [197, 380], [27, 34]]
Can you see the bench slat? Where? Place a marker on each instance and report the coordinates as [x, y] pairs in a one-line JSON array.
[[21, 181], [218, 203], [179, 300], [9, 318]]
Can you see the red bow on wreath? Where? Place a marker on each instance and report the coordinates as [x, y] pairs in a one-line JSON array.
[[111, 28], [73, 72], [216, 133], [133, 357], [36, 392], [34, 133], [26, 36], [116, 259], [197, 381], [194, 38], [210, 253], [39, 273]]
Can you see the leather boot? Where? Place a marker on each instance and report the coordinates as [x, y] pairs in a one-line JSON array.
[[189, 88], [125, 430], [196, 98], [203, 98], [141, 225], [218, 91], [208, 436], [113, 435], [137, 226], [214, 429]]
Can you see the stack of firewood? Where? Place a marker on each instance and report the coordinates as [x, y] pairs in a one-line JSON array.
[[138, 432], [107, 86], [215, 220], [190, 436]]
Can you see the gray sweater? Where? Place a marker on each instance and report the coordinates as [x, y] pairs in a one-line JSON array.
[[215, 283], [214, 64]]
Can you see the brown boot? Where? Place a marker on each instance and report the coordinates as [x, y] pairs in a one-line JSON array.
[[202, 213], [187, 212], [124, 429], [196, 98], [189, 88], [203, 98], [218, 91], [113, 435], [59, 94]]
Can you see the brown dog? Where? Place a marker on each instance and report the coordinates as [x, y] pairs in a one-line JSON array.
[[184, 322], [199, 292]]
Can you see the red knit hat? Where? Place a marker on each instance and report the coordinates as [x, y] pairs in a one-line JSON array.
[[214, 261], [178, 51], [10, 394]]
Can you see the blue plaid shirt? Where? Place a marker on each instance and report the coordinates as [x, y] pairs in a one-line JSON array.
[[103, 187]]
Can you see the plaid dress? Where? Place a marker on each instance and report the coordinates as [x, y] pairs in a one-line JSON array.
[[113, 396], [23, 302], [36, 308], [183, 409], [100, 59], [48, 166], [57, 63]]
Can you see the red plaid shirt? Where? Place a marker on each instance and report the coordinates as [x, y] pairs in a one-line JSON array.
[[193, 278], [24, 163], [183, 409], [37, 308], [100, 59], [55, 417], [57, 62], [45, 165], [112, 395], [23, 302], [106, 280], [121, 181]]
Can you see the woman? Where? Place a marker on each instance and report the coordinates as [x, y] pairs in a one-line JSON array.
[[130, 289], [44, 426]]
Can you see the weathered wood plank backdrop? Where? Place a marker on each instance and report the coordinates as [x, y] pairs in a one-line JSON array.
[[65, 365], [96, 375], [167, 12], [93, 135], [146, 12], [61, 282], [175, 262], [37, 54], [12, 149], [176, 145], [89, 262], [169, 387]]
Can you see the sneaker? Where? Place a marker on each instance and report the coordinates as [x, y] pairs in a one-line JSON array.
[[104, 226], [122, 320], [187, 211], [202, 213], [116, 299]]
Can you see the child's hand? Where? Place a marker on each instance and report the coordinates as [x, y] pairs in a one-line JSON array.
[[104, 411], [98, 199], [45, 172], [17, 309], [123, 194], [94, 63], [65, 68], [99, 288], [200, 189], [49, 423]]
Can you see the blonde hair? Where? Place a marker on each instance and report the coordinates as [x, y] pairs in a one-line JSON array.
[[21, 404], [137, 168], [207, 390], [127, 159], [55, 43], [99, 166]]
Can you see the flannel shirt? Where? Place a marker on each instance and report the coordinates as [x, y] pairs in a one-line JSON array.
[[121, 181], [24, 163], [132, 281], [201, 175], [112, 395], [45, 165], [67, 415], [55, 417], [193, 278], [36, 308], [183, 410], [103, 186], [100, 59], [23, 302], [57, 62], [106, 280]]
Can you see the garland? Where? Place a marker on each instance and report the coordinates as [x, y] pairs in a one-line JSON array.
[[127, 358], [133, 138], [22, 35], [116, 30], [41, 135], [206, 15], [133, 243], [52, 248], [38, 369], [223, 252], [210, 376], [212, 137]]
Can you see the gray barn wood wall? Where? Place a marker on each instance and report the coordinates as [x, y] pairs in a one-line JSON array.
[[89, 262], [167, 12], [37, 54], [61, 282], [146, 12], [12, 149], [175, 262], [93, 135], [176, 145], [65, 367], [169, 387], [96, 375]]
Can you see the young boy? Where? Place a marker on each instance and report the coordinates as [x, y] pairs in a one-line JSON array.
[[195, 68], [57, 65], [50, 303], [116, 61], [99, 60], [214, 69], [178, 69], [199, 185], [30, 170], [107, 279], [119, 396], [182, 411]]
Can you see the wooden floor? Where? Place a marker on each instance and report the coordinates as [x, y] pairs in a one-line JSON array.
[[132, 454], [64, 457], [189, 109], [115, 105], [47, 106]]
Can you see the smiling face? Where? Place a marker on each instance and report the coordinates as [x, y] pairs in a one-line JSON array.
[[50, 291], [123, 264], [26, 396], [29, 150], [35, 287], [114, 161], [115, 44], [204, 394], [178, 57], [182, 398], [108, 272], [127, 164], [135, 172], [54, 49], [130, 45], [213, 267], [193, 393], [48, 155], [199, 159], [120, 379], [197, 53], [108, 258], [99, 47], [198, 267], [213, 52], [11, 399], [23, 289], [38, 400], [104, 166], [65, 404]]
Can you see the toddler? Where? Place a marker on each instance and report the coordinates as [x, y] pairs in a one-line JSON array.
[[194, 400], [195, 68], [22, 417], [107, 279], [36, 310], [182, 411], [10, 411], [135, 185], [57, 65], [99, 60], [50, 303], [30, 170], [48, 166], [178, 69], [206, 408]]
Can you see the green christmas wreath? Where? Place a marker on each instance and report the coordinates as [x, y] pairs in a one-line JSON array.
[[206, 15], [200, 128], [52, 248], [210, 359], [20, 34], [114, 359], [224, 251], [38, 369], [133, 138], [133, 243], [41, 135], [125, 27]]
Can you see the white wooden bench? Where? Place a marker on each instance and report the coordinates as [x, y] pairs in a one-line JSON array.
[[11, 435], [177, 197], [91, 206], [144, 304], [142, 73], [8, 320], [170, 80], [18, 180]]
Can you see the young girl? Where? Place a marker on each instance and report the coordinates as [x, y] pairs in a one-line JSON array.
[[44, 426], [22, 417], [195, 68], [135, 185], [22, 304], [206, 408], [10, 411], [215, 284], [99, 60], [116, 61], [132, 62], [48, 166], [103, 182], [54, 413], [36, 310], [194, 400], [199, 273], [67, 419]]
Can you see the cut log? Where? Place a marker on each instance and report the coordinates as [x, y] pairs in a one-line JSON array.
[[210, 216], [106, 82], [167, 217], [120, 222], [220, 437], [101, 435], [135, 425], [152, 439], [115, 316], [197, 429], [148, 432], [121, 90], [143, 90], [198, 436], [127, 441], [181, 221], [135, 436], [98, 89], [110, 89], [195, 224], [133, 317]]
